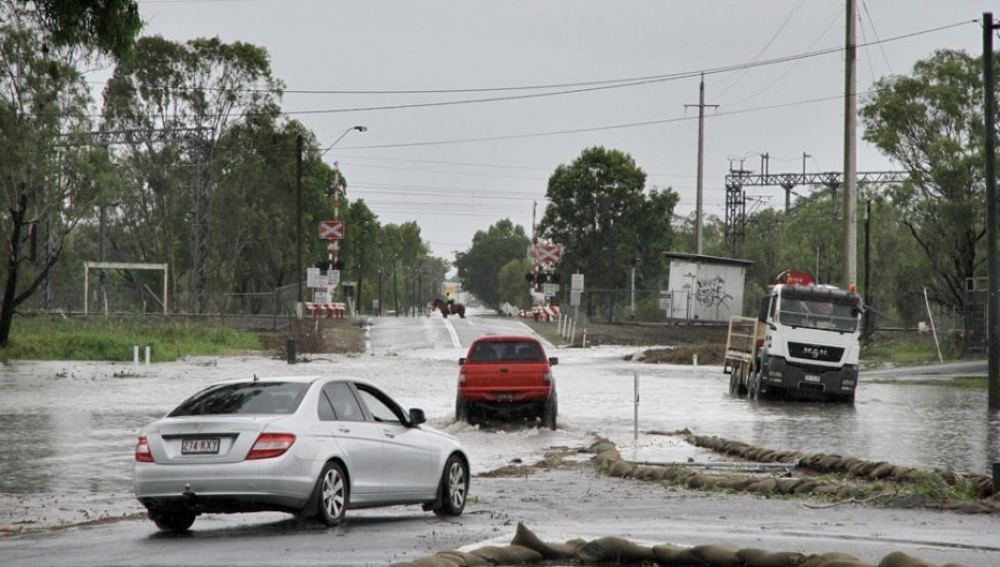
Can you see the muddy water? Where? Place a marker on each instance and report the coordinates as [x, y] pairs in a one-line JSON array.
[[69, 429]]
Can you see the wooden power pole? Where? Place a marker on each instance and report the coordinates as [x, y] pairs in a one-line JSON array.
[[699, 208], [993, 263]]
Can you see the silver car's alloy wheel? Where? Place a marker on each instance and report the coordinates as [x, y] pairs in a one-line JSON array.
[[334, 493], [456, 485]]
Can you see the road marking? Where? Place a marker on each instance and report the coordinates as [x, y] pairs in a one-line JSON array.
[[454, 335]]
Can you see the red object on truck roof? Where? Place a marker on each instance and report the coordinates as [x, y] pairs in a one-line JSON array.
[[795, 277]]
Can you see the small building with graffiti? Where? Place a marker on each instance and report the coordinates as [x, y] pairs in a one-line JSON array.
[[704, 288]]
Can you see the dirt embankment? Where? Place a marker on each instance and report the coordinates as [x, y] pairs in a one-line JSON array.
[[671, 343], [336, 336]]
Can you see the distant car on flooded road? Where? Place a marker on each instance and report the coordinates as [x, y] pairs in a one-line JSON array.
[[311, 446], [507, 375]]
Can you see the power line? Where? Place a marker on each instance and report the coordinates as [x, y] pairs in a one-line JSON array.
[[871, 22], [602, 128], [788, 18], [583, 86]]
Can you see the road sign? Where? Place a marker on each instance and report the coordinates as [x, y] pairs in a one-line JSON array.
[[321, 297], [665, 299], [545, 253], [333, 277], [576, 282], [550, 289], [574, 298], [332, 229], [314, 278]]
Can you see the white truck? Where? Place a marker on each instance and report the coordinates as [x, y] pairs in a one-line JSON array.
[[804, 343]]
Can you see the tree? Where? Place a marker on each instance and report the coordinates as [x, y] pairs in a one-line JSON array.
[[480, 265], [600, 212], [931, 122], [511, 284], [50, 171], [179, 101]]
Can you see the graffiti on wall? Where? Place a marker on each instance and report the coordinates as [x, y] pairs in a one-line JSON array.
[[711, 292]]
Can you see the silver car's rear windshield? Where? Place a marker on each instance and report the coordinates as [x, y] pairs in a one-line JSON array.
[[245, 398], [506, 351]]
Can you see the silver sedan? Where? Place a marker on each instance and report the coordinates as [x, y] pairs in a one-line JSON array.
[[311, 446]]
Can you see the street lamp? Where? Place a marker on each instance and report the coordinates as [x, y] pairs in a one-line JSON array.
[[298, 197]]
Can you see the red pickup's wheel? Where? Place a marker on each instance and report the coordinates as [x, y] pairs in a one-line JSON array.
[[549, 412]]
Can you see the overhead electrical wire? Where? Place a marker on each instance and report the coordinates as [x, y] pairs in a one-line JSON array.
[[601, 128], [581, 87], [788, 18]]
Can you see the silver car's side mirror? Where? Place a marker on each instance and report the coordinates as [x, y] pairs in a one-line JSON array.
[[417, 416]]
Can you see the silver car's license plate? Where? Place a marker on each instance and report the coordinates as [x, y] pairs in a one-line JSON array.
[[201, 446], [812, 378]]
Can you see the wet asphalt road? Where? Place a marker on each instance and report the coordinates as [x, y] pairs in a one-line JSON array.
[[67, 432]]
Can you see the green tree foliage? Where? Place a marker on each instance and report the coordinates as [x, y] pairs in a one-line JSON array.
[[511, 283], [199, 113], [106, 26], [931, 122], [491, 250], [50, 171], [600, 212]]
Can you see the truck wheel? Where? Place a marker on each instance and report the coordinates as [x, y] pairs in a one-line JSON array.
[[461, 410], [551, 409], [173, 520]]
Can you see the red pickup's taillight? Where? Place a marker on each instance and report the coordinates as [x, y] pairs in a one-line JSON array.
[[270, 445], [547, 380], [142, 453], [461, 376]]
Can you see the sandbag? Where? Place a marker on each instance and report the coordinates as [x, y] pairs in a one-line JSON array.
[[507, 555], [666, 554], [613, 549], [787, 485], [718, 555], [824, 559], [702, 481], [805, 486], [766, 486], [441, 559], [764, 558], [527, 538], [621, 468], [900, 559], [884, 470]]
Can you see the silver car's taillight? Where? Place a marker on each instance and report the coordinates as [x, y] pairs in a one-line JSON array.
[[142, 452], [270, 445]]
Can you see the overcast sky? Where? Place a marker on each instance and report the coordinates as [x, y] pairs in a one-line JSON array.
[[454, 189]]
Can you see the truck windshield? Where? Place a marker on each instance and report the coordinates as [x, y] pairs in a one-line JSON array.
[[818, 314]]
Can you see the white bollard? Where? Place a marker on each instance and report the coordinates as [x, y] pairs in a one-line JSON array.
[[135, 356], [147, 355], [695, 361], [584, 337], [572, 334]]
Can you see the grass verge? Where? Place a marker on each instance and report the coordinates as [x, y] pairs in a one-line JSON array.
[[109, 339], [974, 382]]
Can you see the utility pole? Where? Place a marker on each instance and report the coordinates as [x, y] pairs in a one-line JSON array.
[[993, 263], [380, 274], [850, 268], [699, 212], [395, 286], [298, 214], [632, 287]]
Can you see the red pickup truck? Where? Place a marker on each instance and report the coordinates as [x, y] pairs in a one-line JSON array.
[[506, 375]]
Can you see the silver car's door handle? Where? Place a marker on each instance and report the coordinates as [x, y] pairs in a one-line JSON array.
[[343, 430], [389, 434]]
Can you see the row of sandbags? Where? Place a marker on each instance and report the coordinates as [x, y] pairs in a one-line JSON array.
[[610, 461], [826, 463], [527, 548]]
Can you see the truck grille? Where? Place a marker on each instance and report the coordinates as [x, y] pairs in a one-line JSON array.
[[815, 352]]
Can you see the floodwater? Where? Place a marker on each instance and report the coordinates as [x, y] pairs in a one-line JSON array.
[[68, 429]]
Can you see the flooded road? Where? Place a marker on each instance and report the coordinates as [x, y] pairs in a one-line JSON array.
[[68, 429]]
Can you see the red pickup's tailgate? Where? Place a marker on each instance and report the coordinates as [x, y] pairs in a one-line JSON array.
[[505, 381]]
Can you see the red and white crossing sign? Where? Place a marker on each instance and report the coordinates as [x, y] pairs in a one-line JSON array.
[[332, 229], [545, 253]]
